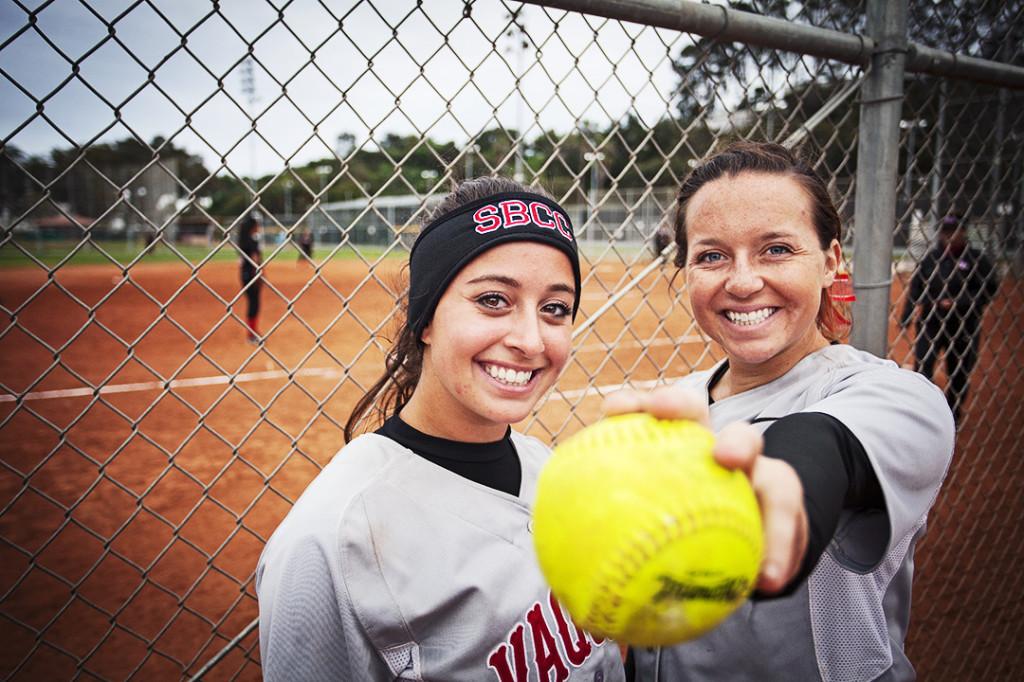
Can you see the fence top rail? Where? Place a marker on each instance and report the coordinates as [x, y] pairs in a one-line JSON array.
[[722, 23]]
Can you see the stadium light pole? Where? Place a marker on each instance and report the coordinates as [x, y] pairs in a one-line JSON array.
[[517, 33], [593, 158], [323, 171], [249, 90], [470, 151], [428, 175], [288, 184]]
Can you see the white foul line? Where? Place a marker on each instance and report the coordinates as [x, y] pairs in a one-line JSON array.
[[681, 341], [609, 388], [322, 372], [175, 383]]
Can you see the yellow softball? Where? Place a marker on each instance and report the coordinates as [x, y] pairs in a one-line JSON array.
[[641, 535]]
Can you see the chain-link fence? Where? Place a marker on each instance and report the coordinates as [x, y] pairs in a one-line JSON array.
[[148, 450], [957, 302]]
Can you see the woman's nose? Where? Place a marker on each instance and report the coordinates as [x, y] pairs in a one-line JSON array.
[[744, 280], [525, 334]]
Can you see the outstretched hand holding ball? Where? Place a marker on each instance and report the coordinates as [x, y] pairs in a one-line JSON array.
[[649, 530]]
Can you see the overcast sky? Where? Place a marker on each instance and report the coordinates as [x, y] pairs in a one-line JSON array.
[[416, 74]]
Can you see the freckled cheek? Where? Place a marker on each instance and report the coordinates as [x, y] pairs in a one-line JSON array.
[[704, 313], [700, 293], [698, 281]]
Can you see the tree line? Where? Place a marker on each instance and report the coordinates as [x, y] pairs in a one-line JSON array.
[[777, 92]]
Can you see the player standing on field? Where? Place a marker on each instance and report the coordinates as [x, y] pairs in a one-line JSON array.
[[759, 242], [252, 282], [306, 246], [951, 287], [410, 556]]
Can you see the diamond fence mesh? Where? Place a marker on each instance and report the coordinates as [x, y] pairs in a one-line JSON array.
[[956, 317], [148, 450]]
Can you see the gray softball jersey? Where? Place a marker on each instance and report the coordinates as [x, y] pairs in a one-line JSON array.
[[391, 567], [848, 620]]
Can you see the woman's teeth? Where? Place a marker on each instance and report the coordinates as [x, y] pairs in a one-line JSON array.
[[749, 319], [508, 376]]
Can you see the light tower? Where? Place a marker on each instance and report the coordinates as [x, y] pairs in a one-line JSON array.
[[520, 41], [249, 90]]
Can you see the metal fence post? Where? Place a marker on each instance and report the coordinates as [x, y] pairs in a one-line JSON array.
[[938, 183], [999, 236], [877, 161]]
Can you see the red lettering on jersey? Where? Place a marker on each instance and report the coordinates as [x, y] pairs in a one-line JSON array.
[[545, 650], [535, 208], [577, 648], [563, 225], [546, 656], [486, 219], [514, 213], [499, 658]]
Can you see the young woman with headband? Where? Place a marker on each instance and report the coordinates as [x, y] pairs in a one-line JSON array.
[[410, 555]]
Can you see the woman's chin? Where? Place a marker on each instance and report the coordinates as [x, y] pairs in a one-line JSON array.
[[751, 354]]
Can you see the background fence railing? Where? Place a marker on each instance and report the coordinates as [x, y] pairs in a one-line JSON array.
[[147, 451]]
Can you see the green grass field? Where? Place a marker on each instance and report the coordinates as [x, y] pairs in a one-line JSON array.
[[52, 253]]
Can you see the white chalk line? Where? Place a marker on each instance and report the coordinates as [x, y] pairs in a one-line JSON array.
[[607, 388], [604, 296], [215, 380], [320, 372]]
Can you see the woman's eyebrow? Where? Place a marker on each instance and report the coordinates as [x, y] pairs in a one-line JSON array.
[[766, 236], [501, 279], [709, 241], [515, 283], [563, 288], [776, 234]]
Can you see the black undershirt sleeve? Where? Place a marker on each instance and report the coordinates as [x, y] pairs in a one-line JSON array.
[[835, 472]]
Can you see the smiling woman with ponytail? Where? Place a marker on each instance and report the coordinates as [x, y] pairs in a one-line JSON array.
[[410, 555]]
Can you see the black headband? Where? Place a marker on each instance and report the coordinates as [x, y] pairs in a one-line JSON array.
[[450, 242]]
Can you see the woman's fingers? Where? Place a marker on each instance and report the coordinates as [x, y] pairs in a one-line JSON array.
[[622, 402], [738, 446], [672, 402], [780, 497], [664, 402], [784, 520]]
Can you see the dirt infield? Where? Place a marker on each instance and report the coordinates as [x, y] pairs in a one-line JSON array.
[[127, 519], [968, 592], [136, 515]]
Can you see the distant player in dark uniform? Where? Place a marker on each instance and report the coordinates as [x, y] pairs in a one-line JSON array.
[[951, 286], [251, 259], [306, 246]]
